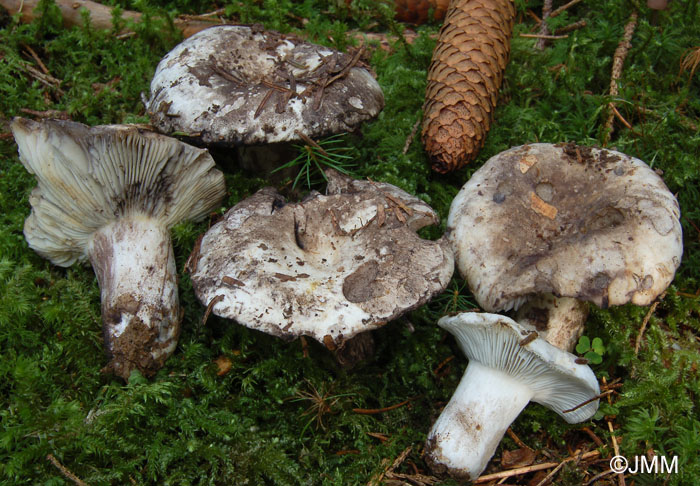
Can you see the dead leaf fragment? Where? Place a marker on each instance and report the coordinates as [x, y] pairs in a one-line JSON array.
[[518, 458], [541, 207], [526, 163], [223, 365]]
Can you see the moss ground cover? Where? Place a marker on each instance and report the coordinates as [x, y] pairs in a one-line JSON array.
[[233, 406]]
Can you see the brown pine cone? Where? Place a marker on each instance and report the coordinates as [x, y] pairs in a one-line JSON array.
[[418, 11], [463, 80]]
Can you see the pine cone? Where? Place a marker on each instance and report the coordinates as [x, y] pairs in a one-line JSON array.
[[417, 11], [463, 80]]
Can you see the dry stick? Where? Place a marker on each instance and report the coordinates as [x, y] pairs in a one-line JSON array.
[[371, 411], [544, 30], [411, 136], [61, 115], [598, 476], [563, 7], [616, 448], [310, 141], [36, 58], [645, 321], [517, 440], [618, 61], [211, 305], [64, 470], [570, 28], [528, 469], [548, 478], [593, 437], [544, 36], [619, 116], [597, 397], [100, 15]]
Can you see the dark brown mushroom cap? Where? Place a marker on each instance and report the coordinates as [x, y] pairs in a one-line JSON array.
[[592, 224], [329, 267], [241, 85]]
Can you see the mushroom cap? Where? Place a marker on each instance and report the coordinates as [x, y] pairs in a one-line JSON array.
[[241, 85], [555, 379], [592, 224], [88, 177], [328, 267]]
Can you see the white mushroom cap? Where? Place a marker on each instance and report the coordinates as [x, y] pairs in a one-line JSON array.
[[508, 367], [89, 177], [592, 224], [328, 267], [241, 85]]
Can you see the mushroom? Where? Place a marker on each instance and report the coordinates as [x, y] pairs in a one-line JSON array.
[[239, 85], [569, 221], [329, 267], [508, 367], [110, 194]]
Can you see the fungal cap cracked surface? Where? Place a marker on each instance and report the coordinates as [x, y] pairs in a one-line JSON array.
[[88, 177], [329, 267], [592, 224], [241, 85]]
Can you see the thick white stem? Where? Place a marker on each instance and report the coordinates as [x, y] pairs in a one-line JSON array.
[[559, 320], [467, 432], [135, 267]]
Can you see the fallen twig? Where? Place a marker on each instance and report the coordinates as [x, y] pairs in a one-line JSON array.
[[100, 15], [544, 36], [593, 437], [56, 114], [36, 57], [211, 305], [597, 397], [536, 467], [411, 136], [65, 471], [563, 8], [618, 61], [517, 440], [372, 411], [543, 33], [645, 321], [571, 27]]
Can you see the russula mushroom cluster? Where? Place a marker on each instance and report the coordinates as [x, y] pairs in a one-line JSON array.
[[240, 85], [329, 267], [569, 221], [507, 370], [110, 194]]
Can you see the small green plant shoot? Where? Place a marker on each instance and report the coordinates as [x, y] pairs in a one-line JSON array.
[[591, 350], [314, 157]]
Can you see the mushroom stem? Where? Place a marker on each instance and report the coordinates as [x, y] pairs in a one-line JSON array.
[[559, 320], [135, 267], [467, 432]]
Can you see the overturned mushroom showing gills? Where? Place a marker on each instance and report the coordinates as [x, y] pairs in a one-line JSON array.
[[330, 266], [239, 85], [508, 368], [110, 194], [576, 222]]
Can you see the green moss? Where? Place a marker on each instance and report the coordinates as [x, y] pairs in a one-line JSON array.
[[190, 425]]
